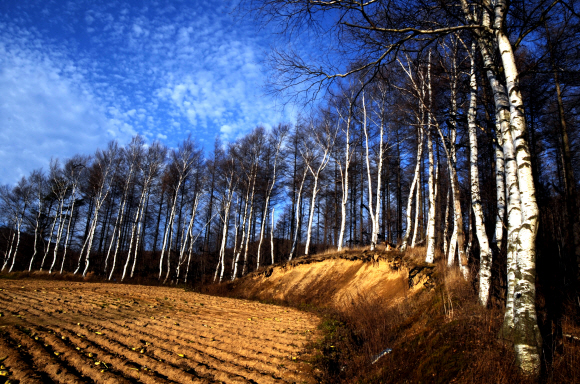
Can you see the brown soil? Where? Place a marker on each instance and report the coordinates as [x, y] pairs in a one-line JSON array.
[[335, 279], [75, 332]]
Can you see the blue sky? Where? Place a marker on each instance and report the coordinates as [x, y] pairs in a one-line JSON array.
[[76, 74]]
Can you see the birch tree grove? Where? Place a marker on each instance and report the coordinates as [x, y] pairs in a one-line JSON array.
[[497, 29], [430, 125]]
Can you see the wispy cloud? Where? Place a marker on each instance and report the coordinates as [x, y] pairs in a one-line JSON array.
[[77, 74], [47, 108]]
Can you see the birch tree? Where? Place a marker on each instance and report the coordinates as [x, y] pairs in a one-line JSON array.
[[74, 171], [485, 256], [379, 94], [316, 155], [102, 171], [344, 108], [132, 156], [433, 173], [228, 180], [38, 183], [17, 201], [278, 137], [154, 161], [182, 161], [413, 186]]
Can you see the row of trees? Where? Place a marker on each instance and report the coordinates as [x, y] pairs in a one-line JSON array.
[[438, 134]]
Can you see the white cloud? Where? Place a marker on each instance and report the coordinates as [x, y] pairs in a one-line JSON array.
[[103, 70], [47, 110]]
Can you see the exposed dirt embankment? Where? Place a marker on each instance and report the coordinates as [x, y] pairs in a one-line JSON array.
[[335, 279]]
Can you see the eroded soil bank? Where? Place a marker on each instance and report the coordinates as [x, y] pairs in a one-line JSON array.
[[334, 279]]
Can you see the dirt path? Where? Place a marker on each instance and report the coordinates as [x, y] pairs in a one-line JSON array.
[[69, 332]]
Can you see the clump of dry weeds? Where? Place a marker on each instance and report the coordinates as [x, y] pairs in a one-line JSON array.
[[441, 336]]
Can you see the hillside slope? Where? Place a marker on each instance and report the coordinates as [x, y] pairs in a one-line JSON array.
[[426, 317], [333, 280]]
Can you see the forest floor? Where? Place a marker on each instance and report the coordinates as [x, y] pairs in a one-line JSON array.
[[75, 332]]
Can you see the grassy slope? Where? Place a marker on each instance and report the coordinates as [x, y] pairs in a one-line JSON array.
[[437, 331]]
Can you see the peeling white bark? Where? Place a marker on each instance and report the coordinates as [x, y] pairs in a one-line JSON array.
[[433, 175], [412, 189], [485, 256], [344, 168]]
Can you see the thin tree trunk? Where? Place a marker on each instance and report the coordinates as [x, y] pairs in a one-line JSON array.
[[500, 187], [272, 236], [246, 245], [344, 183], [73, 198], [412, 189], [430, 256], [169, 228], [51, 233], [57, 241], [485, 256], [298, 221]]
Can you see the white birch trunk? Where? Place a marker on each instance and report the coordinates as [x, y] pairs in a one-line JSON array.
[[430, 256], [18, 225], [113, 235], [514, 215], [267, 203], [134, 229], [500, 187], [138, 233], [412, 190], [527, 337], [225, 239], [249, 227], [227, 201], [72, 208], [7, 256], [122, 213], [272, 237], [417, 211], [432, 196], [239, 252], [298, 221], [374, 211], [457, 236], [57, 241], [89, 241], [344, 183], [311, 215], [188, 236], [325, 145], [485, 256], [446, 225], [169, 229], [40, 207], [56, 215], [236, 228], [262, 227], [192, 242]]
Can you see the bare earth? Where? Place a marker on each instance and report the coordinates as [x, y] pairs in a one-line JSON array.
[[69, 332]]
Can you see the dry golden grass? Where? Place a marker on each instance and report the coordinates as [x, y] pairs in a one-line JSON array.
[[437, 336]]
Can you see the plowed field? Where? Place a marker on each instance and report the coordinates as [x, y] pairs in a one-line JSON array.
[[69, 332]]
